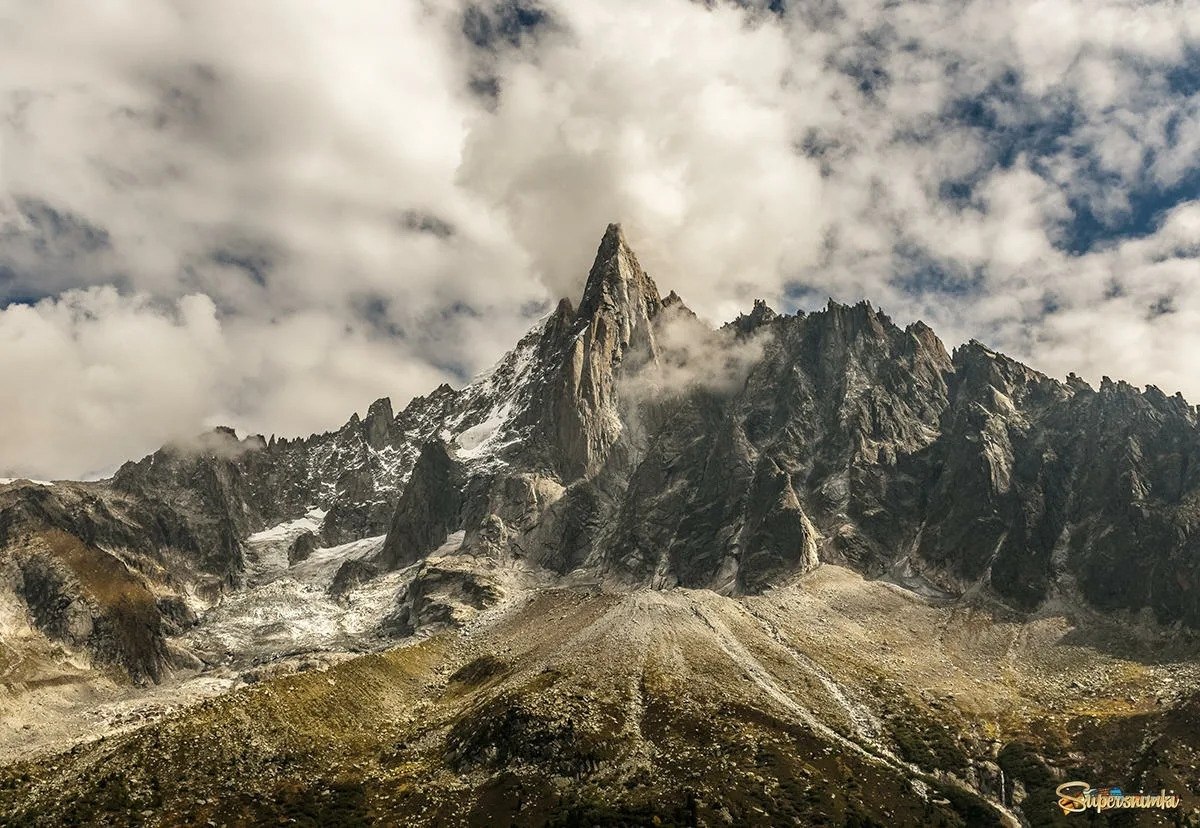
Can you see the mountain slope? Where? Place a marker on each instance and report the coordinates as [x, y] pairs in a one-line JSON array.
[[625, 442], [833, 700]]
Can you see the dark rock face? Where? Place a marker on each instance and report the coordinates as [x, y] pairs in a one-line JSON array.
[[302, 547], [430, 509], [352, 574], [205, 492], [377, 427], [995, 510], [176, 615]]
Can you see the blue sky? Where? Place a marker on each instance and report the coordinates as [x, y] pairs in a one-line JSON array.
[[270, 215]]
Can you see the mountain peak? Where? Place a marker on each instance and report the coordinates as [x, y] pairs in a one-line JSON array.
[[617, 280], [617, 311], [762, 314], [379, 422]]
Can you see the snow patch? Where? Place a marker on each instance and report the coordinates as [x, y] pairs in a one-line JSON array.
[[481, 440], [452, 544], [323, 564], [484, 426], [266, 551]]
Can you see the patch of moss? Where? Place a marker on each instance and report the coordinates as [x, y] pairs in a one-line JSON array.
[[585, 812], [923, 741], [478, 672]]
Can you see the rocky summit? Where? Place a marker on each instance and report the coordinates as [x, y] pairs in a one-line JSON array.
[[807, 569]]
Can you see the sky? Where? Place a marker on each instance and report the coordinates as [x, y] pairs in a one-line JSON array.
[[269, 214]]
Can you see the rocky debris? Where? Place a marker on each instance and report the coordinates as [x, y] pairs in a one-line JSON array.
[[351, 574], [680, 706], [302, 547], [292, 612]]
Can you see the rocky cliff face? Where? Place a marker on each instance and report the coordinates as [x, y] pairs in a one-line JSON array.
[[624, 442], [616, 315], [104, 574]]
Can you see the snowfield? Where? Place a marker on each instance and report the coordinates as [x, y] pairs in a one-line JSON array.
[[287, 610]]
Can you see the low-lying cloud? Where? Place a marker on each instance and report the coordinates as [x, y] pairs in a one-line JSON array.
[[689, 356]]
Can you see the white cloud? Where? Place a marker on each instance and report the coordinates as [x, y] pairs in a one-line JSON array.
[[91, 374], [304, 205], [97, 376]]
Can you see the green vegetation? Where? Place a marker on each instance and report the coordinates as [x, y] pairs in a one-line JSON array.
[[922, 739]]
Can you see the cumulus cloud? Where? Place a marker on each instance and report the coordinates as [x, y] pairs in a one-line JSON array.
[[94, 376], [90, 373], [269, 214], [672, 117]]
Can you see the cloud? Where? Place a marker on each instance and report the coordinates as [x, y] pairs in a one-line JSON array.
[[688, 357], [92, 373], [98, 376], [270, 214], [672, 117]]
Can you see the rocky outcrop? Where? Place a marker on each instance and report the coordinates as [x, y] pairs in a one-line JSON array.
[[430, 509], [748, 323], [302, 547], [351, 574], [103, 572], [90, 601], [441, 595]]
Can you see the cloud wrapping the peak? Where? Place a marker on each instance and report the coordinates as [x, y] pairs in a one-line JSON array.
[[269, 214]]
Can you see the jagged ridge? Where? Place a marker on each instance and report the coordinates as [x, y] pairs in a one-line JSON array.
[[626, 443]]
